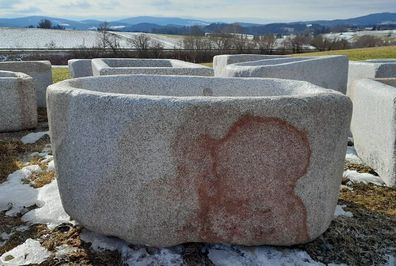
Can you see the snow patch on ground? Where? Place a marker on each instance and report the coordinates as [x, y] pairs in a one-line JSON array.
[[365, 178], [30, 252], [224, 255], [14, 195], [51, 166], [51, 211], [33, 137], [220, 255], [341, 212], [351, 156], [132, 256], [63, 250], [391, 260]]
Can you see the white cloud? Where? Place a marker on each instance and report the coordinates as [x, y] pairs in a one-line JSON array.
[[253, 10]]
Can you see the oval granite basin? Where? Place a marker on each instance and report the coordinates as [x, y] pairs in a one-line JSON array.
[[163, 160]]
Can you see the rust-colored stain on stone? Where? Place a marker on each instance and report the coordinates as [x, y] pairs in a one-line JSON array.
[[245, 182]]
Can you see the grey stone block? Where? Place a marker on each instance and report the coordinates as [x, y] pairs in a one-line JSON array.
[[371, 69], [221, 61], [18, 107], [80, 68], [374, 125], [114, 66], [330, 72], [40, 71], [163, 160]]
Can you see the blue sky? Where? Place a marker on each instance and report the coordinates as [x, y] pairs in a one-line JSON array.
[[246, 10]]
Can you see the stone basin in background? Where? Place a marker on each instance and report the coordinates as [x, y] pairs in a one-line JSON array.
[[164, 160], [371, 69], [79, 68], [373, 124], [40, 71], [221, 61], [330, 72], [18, 107], [116, 66]]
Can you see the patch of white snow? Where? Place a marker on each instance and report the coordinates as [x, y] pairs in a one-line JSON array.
[[351, 156], [132, 256], [63, 250], [224, 255], [51, 166], [365, 178], [14, 195], [30, 252], [33, 137], [51, 211], [339, 211]]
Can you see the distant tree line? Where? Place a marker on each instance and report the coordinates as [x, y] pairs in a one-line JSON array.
[[47, 24]]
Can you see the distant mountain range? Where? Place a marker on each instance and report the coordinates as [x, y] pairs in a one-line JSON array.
[[89, 24], [169, 24]]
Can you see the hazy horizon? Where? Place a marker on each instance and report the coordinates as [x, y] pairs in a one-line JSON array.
[[256, 11]]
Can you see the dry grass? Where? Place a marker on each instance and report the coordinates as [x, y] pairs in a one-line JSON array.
[[207, 64], [367, 237], [11, 153], [65, 234], [38, 180], [9, 159], [359, 168], [42, 114], [379, 200], [193, 255]]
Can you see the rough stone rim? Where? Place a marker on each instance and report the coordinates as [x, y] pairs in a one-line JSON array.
[[307, 89], [13, 75], [288, 61]]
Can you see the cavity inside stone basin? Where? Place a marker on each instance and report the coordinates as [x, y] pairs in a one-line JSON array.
[[177, 166]]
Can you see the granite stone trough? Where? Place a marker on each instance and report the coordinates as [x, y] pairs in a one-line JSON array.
[[18, 107], [371, 69], [79, 68], [40, 71], [114, 66], [330, 72], [374, 125], [221, 61], [164, 160]]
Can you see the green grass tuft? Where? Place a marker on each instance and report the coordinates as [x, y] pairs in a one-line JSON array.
[[360, 54], [59, 74]]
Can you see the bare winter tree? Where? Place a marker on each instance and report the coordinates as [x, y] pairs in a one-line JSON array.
[[44, 24], [299, 41], [145, 45], [156, 48], [140, 42], [242, 43], [196, 45], [325, 44], [106, 38], [265, 43], [221, 42], [368, 41]]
